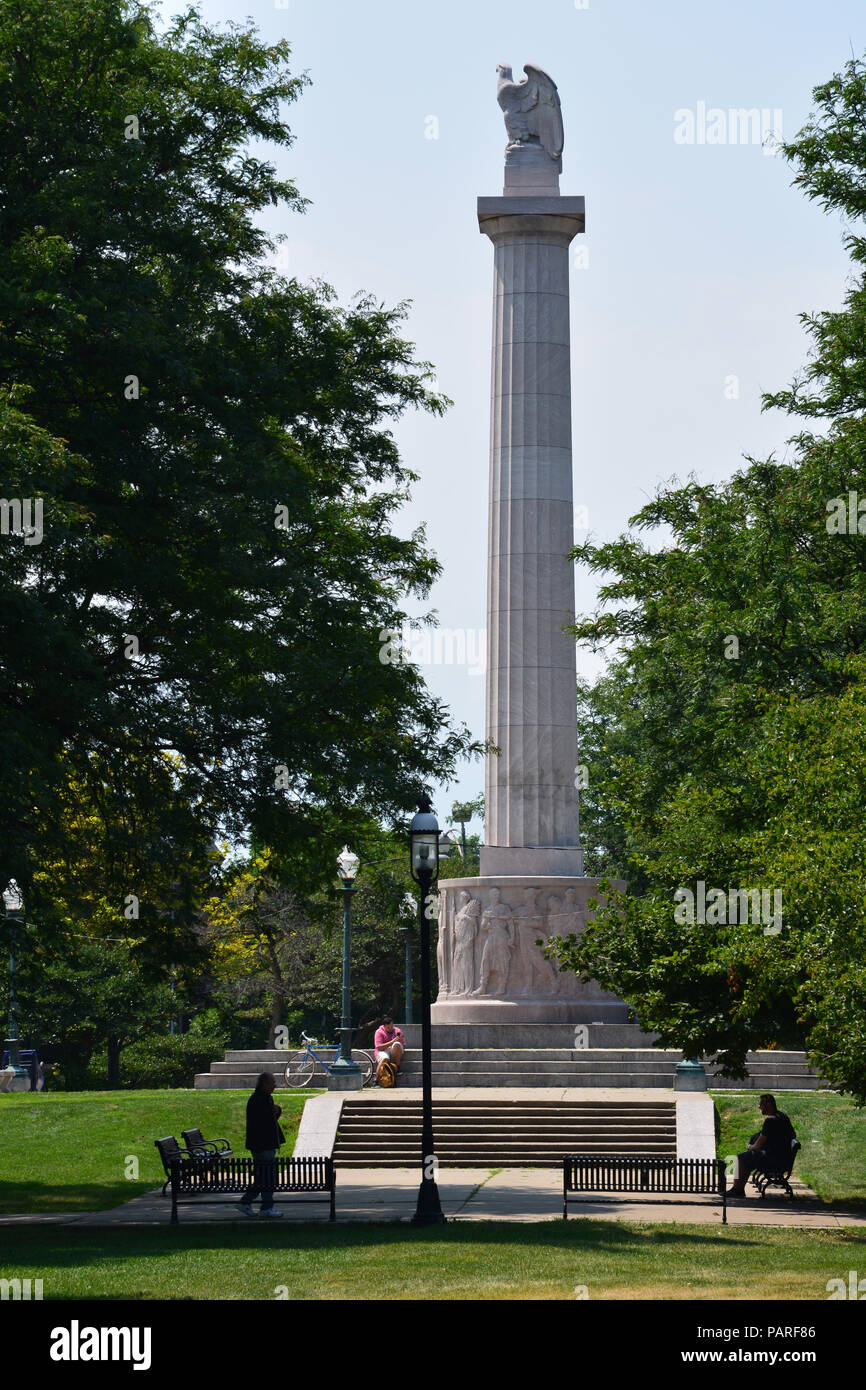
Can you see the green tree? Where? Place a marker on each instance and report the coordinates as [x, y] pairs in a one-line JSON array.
[[212, 444], [462, 813], [87, 996], [273, 946], [740, 643]]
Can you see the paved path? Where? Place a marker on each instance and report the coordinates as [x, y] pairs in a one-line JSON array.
[[471, 1194]]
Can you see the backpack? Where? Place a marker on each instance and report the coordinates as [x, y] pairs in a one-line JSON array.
[[388, 1074]]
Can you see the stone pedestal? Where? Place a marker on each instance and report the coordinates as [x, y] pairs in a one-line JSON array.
[[491, 969], [345, 1081]]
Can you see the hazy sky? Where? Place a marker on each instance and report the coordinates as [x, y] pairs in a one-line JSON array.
[[700, 256]]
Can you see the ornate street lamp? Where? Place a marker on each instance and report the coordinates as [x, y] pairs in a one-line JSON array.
[[346, 1075], [13, 902], [424, 849]]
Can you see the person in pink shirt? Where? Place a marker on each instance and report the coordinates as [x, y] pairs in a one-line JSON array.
[[388, 1046]]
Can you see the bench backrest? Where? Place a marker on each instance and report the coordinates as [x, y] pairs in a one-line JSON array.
[[636, 1173], [194, 1139], [234, 1174], [169, 1149]]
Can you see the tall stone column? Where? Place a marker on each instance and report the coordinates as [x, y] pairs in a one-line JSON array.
[[531, 799], [531, 883]]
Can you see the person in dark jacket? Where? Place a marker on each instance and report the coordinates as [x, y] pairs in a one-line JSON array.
[[769, 1150], [263, 1138]]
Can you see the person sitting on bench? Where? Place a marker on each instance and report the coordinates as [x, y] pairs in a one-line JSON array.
[[770, 1150], [388, 1046]]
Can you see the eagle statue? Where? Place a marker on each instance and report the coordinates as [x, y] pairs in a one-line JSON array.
[[533, 115]]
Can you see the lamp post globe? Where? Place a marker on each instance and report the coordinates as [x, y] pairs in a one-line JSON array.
[[346, 1075], [424, 867], [13, 902]]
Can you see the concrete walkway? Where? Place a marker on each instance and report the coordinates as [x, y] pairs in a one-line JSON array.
[[471, 1194]]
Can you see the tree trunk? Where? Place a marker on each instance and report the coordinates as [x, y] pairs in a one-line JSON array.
[[113, 1062], [277, 990]]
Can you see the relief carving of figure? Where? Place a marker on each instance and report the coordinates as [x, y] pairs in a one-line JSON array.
[[562, 923], [537, 976], [442, 946], [465, 932], [500, 940]]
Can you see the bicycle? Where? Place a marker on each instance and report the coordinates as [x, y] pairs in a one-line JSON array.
[[304, 1065]]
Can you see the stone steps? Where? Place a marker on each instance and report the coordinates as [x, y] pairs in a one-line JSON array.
[[638, 1067], [551, 1067], [384, 1133]]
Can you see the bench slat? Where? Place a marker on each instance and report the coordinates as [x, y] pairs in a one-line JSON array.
[[636, 1173]]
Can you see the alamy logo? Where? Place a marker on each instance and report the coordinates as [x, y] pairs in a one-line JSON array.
[[77, 1343], [715, 907], [459, 646], [20, 1290], [855, 1288], [22, 516], [738, 125], [846, 516]]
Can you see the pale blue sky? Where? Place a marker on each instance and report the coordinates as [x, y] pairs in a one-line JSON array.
[[700, 257]]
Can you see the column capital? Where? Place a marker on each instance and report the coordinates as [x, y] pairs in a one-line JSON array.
[[559, 218]]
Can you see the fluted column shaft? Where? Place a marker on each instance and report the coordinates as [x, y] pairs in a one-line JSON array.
[[531, 798]]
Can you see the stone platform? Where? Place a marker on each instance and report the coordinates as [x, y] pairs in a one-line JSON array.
[[555, 1055], [490, 967]]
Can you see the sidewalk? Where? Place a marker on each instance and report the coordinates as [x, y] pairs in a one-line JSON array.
[[471, 1194]]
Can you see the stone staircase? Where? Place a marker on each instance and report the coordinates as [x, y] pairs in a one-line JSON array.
[[597, 1066], [501, 1133], [533, 1066]]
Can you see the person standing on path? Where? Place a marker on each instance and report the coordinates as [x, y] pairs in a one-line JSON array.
[[264, 1136]]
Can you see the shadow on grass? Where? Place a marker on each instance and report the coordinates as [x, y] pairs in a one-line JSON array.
[[52, 1247], [32, 1197]]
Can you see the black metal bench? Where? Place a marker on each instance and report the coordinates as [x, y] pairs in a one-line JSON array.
[[200, 1147], [190, 1178], [777, 1177], [204, 1151], [643, 1174], [169, 1150]]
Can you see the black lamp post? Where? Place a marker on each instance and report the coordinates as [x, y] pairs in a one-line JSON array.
[[424, 847], [13, 902], [346, 1075]]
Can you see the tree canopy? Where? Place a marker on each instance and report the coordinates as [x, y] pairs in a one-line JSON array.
[[723, 744], [212, 446]]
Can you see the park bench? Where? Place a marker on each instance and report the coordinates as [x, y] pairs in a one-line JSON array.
[[777, 1177], [643, 1174], [200, 1147], [190, 1178], [170, 1149]]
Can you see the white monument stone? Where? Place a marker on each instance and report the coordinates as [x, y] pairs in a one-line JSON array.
[[531, 884]]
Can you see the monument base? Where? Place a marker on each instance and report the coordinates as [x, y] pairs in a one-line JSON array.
[[491, 969]]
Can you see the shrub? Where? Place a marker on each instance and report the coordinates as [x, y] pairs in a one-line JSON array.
[[162, 1061]]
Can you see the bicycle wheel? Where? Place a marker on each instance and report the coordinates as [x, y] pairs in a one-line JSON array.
[[366, 1063], [299, 1069]]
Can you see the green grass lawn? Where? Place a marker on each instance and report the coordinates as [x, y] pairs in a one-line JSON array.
[[468, 1261], [832, 1131], [70, 1151]]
